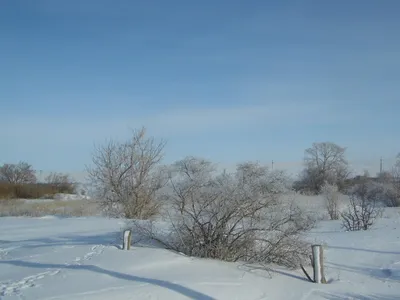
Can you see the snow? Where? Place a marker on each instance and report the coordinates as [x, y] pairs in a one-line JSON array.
[[70, 197], [81, 258], [59, 197]]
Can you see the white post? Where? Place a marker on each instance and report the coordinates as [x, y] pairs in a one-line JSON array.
[[127, 240], [318, 263]]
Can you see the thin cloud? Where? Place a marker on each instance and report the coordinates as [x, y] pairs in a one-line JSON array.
[[168, 123]]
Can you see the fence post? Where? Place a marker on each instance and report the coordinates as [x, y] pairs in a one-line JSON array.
[[127, 240], [318, 263]]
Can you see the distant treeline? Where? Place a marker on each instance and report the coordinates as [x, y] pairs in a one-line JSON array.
[[33, 190], [20, 181]]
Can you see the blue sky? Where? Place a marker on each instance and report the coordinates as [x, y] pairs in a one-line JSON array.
[[226, 80]]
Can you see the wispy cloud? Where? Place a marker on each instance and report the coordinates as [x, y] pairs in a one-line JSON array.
[[170, 122]]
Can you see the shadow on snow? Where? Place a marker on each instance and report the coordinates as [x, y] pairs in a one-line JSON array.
[[192, 294], [379, 273]]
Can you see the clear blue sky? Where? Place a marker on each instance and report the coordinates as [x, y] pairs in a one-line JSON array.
[[227, 80]]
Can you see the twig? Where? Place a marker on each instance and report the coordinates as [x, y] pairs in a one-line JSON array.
[[305, 272]]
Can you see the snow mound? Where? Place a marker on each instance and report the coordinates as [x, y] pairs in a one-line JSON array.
[[70, 197], [49, 217]]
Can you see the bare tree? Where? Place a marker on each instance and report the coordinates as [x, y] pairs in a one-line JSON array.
[[331, 195], [390, 185], [231, 216], [126, 176], [62, 182], [21, 173], [397, 163], [324, 162], [395, 191], [364, 207]]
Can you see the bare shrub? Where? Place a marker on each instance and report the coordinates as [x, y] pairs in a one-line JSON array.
[[391, 197], [330, 193], [26, 191], [388, 194], [21, 173], [364, 207], [126, 177], [7, 190], [385, 176], [389, 185], [232, 217], [63, 183], [33, 191]]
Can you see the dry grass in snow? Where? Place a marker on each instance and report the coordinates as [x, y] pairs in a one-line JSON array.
[[43, 207]]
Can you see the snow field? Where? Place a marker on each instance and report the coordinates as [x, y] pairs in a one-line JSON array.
[[80, 258]]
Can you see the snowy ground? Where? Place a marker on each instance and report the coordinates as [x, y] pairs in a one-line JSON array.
[[59, 204], [79, 258], [59, 197]]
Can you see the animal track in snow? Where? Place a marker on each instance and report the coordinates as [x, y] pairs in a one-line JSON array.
[[95, 250], [15, 287]]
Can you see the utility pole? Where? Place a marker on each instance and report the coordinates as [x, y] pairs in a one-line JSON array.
[[381, 166], [272, 165]]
